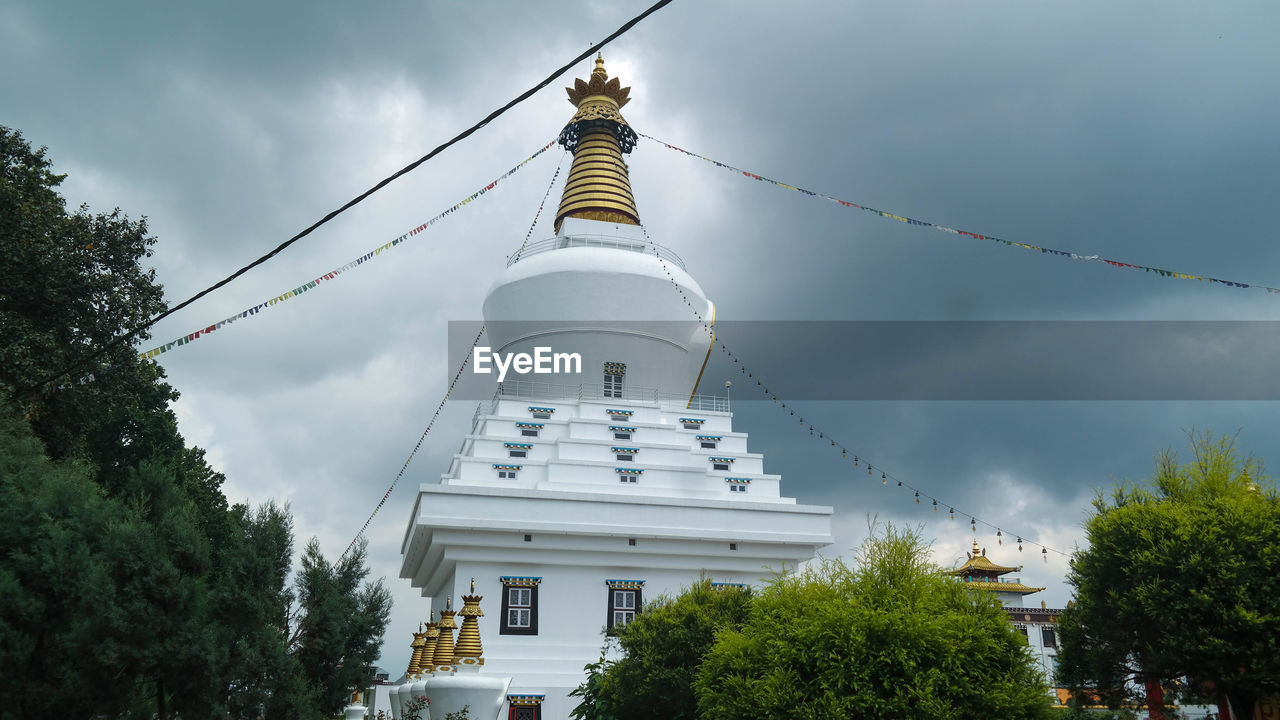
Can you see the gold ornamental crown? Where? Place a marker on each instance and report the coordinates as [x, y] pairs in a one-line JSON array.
[[598, 186], [599, 84]]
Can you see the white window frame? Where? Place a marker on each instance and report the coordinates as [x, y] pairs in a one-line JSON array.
[[516, 607], [622, 605], [517, 453]]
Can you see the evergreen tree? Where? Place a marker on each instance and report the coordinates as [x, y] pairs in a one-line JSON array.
[[1181, 580]]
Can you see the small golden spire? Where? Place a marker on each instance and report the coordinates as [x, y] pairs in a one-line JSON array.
[[432, 635], [415, 659], [468, 650], [598, 186], [443, 658]]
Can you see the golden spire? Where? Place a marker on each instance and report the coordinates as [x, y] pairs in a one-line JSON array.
[[443, 659], [598, 187], [428, 663], [415, 660], [468, 650]]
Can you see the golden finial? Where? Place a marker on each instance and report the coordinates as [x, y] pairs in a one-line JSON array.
[[443, 657], [468, 650], [431, 637], [416, 657], [598, 187]]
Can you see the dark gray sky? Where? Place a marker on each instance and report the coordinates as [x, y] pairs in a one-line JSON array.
[[1142, 131]]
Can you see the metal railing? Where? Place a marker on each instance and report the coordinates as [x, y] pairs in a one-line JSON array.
[[533, 389], [596, 241]]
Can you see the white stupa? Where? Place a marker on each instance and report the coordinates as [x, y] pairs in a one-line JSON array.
[[576, 497]]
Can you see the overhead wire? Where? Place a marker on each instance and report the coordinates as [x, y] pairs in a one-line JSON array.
[[71, 367]]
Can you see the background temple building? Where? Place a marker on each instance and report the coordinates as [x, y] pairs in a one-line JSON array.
[[1038, 625], [573, 502]]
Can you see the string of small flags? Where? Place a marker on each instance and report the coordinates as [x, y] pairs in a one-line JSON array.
[[858, 459], [333, 274], [452, 383], [421, 439], [976, 236]]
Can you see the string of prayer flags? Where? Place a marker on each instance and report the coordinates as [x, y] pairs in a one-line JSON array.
[[976, 236], [456, 376], [815, 431], [333, 274]]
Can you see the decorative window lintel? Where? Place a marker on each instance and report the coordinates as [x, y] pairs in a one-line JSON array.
[[629, 451], [624, 584], [518, 446], [519, 581], [531, 426], [496, 466], [628, 471]]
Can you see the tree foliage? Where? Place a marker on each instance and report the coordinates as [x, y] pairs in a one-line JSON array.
[[123, 571], [339, 630], [1181, 581], [887, 637]]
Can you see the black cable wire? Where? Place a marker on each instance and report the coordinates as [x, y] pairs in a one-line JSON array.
[[359, 198]]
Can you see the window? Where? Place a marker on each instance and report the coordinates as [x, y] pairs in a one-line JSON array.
[[621, 435], [708, 442], [692, 423], [720, 466], [624, 601], [524, 707], [629, 478], [528, 432], [621, 432], [528, 538], [625, 458], [733, 546], [628, 475], [631, 542], [517, 450], [737, 488], [1047, 635], [519, 605], [613, 375], [624, 606], [624, 454], [541, 413], [708, 445], [737, 485], [519, 453], [506, 472], [1022, 629]]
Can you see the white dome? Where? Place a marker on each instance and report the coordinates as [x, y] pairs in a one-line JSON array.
[[610, 300]]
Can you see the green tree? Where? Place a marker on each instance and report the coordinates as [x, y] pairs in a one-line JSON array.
[[661, 651], [888, 637], [70, 283], [58, 619], [338, 624], [1181, 580]]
